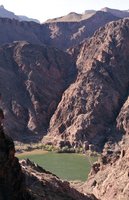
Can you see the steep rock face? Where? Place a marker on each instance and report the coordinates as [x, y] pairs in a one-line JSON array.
[[109, 178], [89, 107], [43, 185], [32, 80], [62, 35], [12, 180]]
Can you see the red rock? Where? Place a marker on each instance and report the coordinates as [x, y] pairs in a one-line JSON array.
[[32, 81], [89, 107]]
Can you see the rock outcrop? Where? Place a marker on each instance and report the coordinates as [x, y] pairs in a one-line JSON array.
[[109, 178], [32, 81], [12, 180], [90, 106]]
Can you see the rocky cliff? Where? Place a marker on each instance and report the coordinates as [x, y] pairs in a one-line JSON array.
[[12, 180], [109, 177], [32, 81], [90, 106], [62, 35]]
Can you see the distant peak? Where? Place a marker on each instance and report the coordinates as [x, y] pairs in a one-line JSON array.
[[2, 6], [105, 9]]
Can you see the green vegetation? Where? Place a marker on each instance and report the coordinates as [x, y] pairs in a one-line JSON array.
[[28, 147], [34, 146], [66, 166]]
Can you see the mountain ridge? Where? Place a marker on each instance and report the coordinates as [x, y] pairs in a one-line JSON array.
[[74, 17], [4, 13], [101, 84], [116, 12], [62, 35]]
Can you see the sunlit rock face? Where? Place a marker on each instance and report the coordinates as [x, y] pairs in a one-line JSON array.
[[90, 106], [109, 176]]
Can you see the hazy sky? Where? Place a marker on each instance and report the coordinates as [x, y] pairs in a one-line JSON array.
[[45, 9]]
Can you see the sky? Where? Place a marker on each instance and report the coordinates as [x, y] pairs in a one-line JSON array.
[[47, 9]]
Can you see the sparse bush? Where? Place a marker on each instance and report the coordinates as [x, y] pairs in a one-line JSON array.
[[66, 149], [79, 150], [48, 147]]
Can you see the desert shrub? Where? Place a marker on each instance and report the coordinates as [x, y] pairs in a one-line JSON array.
[[48, 147], [79, 150], [66, 149]]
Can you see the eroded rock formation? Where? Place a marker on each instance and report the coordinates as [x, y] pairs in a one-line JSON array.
[[109, 178], [90, 106], [32, 81]]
